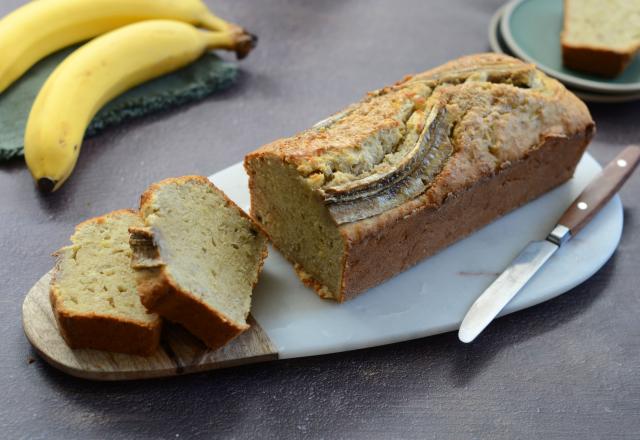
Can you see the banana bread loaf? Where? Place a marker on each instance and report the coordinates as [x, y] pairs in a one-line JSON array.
[[600, 37], [414, 167], [93, 289], [197, 258]]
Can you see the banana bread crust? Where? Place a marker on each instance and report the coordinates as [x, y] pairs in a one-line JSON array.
[[601, 62], [511, 123], [98, 332], [307, 147]]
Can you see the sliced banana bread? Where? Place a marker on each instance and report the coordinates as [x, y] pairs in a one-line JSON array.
[[198, 258], [600, 36], [413, 168], [93, 289]]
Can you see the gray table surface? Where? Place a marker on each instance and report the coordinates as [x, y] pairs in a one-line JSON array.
[[569, 368]]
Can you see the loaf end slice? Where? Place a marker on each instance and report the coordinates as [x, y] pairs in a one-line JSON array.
[[197, 257], [599, 37], [93, 289]]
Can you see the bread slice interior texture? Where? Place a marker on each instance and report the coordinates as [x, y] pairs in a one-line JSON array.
[[600, 36], [606, 24], [199, 257], [298, 222], [94, 293]]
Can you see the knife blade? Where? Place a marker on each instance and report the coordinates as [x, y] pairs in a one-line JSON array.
[[537, 253]]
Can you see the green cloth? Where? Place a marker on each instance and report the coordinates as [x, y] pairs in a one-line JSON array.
[[192, 83]]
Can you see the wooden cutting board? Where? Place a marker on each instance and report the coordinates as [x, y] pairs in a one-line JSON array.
[[180, 353]]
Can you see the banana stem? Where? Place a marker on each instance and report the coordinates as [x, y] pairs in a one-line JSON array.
[[236, 39]]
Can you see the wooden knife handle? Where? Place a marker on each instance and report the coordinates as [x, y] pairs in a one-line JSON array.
[[600, 191]]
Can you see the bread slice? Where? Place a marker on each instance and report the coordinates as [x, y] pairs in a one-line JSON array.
[[198, 258], [93, 289], [414, 167], [600, 37]]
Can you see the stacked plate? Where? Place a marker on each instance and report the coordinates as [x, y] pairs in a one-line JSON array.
[[530, 30]]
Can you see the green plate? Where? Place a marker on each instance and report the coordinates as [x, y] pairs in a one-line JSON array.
[[531, 29], [498, 45]]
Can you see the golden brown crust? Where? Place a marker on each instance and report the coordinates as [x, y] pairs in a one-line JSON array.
[[103, 332], [311, 143], [545, 108], [161, 294], [601, 62]]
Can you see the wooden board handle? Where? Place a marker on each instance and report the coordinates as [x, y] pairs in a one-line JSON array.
[[600, 190], [179, 352]]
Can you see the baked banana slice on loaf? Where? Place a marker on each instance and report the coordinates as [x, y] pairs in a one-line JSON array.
[[600, 36], [93, 289], [414, 167], [197, 257]]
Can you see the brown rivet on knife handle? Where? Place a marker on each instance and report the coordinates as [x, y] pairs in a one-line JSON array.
[[600, 191]]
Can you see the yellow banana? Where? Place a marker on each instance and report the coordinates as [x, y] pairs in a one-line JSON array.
[[96, 73], [40, 28]]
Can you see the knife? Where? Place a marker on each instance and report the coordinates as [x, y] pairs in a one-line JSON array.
[[536, 253]]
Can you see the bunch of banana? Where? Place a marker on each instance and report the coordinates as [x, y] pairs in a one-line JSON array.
[[40, 28], [143, 39]]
